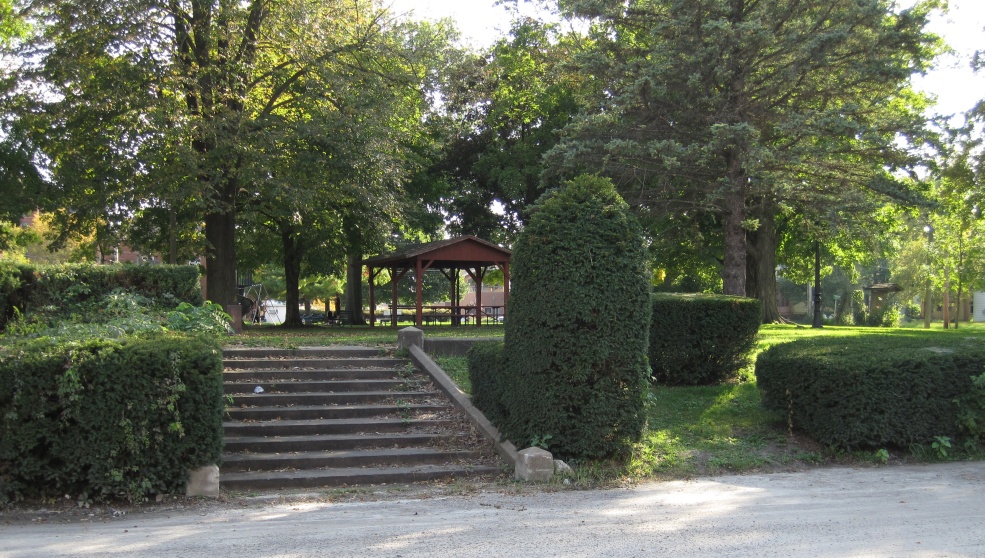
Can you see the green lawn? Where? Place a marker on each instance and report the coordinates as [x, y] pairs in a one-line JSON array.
[[314, 335], [691, 430]]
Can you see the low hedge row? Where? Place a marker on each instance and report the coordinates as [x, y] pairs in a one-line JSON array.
[[108, 418], [28, 288], [701, 339], [873, 391]]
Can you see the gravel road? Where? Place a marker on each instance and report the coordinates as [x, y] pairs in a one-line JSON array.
[[932, 510]]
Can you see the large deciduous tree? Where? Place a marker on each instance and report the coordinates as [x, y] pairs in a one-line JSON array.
[[313, 183], [169, 104], [505, 107], [746, 109]]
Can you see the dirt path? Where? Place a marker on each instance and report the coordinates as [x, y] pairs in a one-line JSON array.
[[933, 510]]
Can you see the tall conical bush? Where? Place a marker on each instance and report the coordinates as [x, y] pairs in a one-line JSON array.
[[574, 366]]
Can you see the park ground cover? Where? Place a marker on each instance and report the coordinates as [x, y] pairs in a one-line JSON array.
[[691, 431]]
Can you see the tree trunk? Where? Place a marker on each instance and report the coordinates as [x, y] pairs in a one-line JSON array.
[[220, 257], [761, 246], [172, 235], [946, 301], [928, 307], [353, 271], [734, 265], [292, 277]]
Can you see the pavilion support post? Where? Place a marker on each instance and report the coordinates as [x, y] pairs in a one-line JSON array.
[[372, 300], [478, 295], [452, 276], [396, 275], [394, 280], [477, 275], [505, 266], [419, 277]]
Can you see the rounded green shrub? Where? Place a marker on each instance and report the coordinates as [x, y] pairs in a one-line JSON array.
[[575, 370], [701, 339]]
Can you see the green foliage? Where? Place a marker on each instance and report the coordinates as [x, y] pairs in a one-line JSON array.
[[108, 418], [860, 312], [700, 339], [942, 445], [68, 289], [510, 103], [874, 390], [892, 316], [575, 340], [747, 113], [971, 410], [486, 374], [882, 455], [208, 318]]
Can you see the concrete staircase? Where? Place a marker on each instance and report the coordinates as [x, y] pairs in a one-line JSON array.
[[340, 416]]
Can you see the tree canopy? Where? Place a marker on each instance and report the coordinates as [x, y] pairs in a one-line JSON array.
[[194, 109], [745, 109]]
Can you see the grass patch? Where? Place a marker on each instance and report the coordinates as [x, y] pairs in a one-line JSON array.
[[711, 429], [457, 368], [318, 335]]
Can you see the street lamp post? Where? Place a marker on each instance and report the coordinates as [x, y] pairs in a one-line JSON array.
[[927, 307], [818, 318]]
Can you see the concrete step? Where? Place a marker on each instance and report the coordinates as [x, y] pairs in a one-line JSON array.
[[235, 462], [315, 375], [338, 416], [344, 398], [273, 480], [312, 364], [302, 352], [312, 412], [315, 386], [330, 442], [234, 429]]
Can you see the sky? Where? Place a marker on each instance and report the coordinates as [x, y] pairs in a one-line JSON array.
[[956, 87]]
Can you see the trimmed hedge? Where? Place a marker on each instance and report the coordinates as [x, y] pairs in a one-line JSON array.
[[28, 288], [108, 418], [871, 391], [701, 339], [578, 317], [485, 362]]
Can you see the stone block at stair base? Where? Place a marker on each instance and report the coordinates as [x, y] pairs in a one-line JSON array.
[[203, 481], [563, 469], [410, 337], [535, 464]]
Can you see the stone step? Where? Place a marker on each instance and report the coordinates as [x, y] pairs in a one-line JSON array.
[[312, 412], [315, 386], [301, 352], [351, 397], [312, 364], [235, 462], [338, 416], [316, 375], [313, 478], [330, 442], [331, 426]]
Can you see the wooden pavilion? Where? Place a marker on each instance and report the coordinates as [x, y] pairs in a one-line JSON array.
[[879, 293], [470, 254]]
